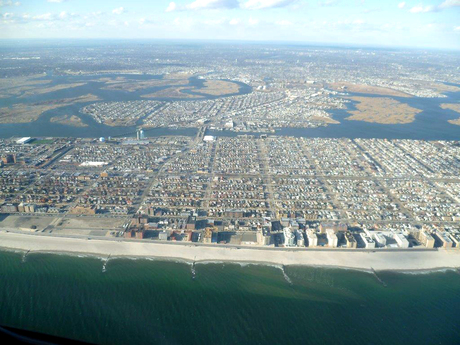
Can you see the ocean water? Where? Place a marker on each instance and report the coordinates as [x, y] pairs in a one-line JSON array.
[[157, 302]]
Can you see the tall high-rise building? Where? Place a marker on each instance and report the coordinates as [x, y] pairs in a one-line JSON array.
[[140, 134]]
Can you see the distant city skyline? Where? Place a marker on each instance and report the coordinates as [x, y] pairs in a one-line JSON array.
[[422, 24]]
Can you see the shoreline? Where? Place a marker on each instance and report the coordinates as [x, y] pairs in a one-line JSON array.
[[398, 261], [232, 262]]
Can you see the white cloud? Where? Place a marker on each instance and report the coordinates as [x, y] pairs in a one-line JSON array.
[[450, 3], [171, 7], [283, 23], [95, 14], [234, 21], [229, 4], [253, 21], [402, 5], [261, 4], [55, 1], [328, 3], [118, 10], [212, 4], [214, 22], [422, 9], [45, 16], [204, 5], [457, 28], [371, 10], [183, 23], [9, 3]]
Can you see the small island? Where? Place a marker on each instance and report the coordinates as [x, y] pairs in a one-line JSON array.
[[219, 88], [211, 88], [454, 107], [31, 86], [68, 120], [23, 113], [122, 84], [382, 110], [369, 89], [41, 91], [16, 86], [173, 92]]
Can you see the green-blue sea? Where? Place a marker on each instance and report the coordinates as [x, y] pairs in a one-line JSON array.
[[158, 302]]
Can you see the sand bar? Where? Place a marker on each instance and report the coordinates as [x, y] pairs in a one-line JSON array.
[[363, 260]]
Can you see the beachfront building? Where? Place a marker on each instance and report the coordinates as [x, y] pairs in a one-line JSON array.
[[299, 239], [263, 236], [443, 237], [425, 238], [350, 240], [369, 243], [163, 236], [332, 239], [455, 237], [380, 239], [401, 240], [289, 237], [312, 238], [210, 235]]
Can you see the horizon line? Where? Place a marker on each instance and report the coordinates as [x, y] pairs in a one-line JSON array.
[[241, 41]]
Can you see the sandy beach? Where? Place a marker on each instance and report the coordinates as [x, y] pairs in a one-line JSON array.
[[363, 260]]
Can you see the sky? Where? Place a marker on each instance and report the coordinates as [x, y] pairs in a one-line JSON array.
[[410, 23]]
